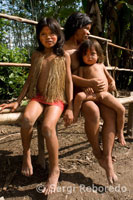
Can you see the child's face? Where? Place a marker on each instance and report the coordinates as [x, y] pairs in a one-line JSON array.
[[47, 37], [90, 57], [82, 33]]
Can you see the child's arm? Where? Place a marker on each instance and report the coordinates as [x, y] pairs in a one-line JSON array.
[[88, 90], [111, 81], [68, 115], [14, 105], [27, 82], [97, 84]]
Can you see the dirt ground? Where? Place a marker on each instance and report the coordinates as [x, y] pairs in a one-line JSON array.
[[81, 176]]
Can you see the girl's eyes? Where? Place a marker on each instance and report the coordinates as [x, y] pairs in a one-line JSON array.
[[51, 34], [89, 54]]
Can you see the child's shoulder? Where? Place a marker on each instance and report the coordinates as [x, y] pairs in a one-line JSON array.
[[99, 65], [36, 53]]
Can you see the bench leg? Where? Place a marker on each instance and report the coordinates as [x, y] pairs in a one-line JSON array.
[[130, 120], [41, 148]]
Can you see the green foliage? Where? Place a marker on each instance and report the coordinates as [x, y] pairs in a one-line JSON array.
[[18, 39], [3, 23], [59, 9], [12, 78]]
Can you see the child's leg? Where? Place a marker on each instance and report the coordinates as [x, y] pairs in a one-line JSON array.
[[110, 101], [31, 113], [51, 117], [80, 97]]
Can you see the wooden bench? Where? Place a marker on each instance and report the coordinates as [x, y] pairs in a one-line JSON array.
[[6, 117]]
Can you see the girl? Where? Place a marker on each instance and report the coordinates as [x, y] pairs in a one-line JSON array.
[[49, 87], [91, 59]]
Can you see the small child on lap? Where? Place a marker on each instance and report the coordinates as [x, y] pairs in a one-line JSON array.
[[91, 59]]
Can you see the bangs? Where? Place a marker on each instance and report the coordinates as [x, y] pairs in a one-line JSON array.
[[54, 27]]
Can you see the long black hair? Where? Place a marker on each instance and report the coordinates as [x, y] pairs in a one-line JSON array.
[[56, 29], [74, 22]]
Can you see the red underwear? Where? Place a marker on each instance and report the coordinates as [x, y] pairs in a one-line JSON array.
[[41, 99]]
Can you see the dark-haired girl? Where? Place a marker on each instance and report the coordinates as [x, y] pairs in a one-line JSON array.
[[49, 87]]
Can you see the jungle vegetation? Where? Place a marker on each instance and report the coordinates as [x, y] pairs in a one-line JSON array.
[[112, 19]]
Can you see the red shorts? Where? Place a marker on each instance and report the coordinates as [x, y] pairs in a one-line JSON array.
[[41, 99]]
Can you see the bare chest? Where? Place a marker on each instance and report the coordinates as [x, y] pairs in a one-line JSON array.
[[94, 72]]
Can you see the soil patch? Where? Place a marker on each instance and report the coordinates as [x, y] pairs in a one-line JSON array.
[[81, 176]]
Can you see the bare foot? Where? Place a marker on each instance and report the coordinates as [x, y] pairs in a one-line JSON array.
[[52, 181], [122, 139], [27, 169], [106, 163]]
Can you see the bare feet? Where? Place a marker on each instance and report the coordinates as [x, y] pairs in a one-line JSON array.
[[106, 163], [27, 169], [52, 181], [121, 139]]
